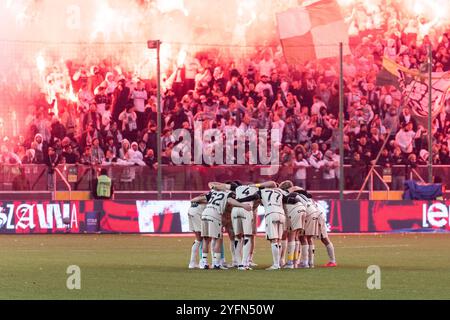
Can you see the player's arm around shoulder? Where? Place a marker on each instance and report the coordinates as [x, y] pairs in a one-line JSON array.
[[235, 203], [199, 199], [266, 184], [291, 198], [253, 197]]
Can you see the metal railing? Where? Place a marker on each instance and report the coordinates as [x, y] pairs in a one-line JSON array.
[[63, 178], [377, 175], [195, 177]]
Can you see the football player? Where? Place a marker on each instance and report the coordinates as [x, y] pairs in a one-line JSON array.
[[226, 222], [198, 204], [217, 202], [315, 227], [243, 224], [295, 217], [272, 199]]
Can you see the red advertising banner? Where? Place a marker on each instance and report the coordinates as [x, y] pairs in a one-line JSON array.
[[40, 217], [46, 217], [389, 216]]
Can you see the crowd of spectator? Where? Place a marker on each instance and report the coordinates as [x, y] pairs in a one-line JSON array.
[[113, 120]]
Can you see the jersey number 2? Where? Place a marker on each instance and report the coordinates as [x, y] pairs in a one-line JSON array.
[[215, 198]]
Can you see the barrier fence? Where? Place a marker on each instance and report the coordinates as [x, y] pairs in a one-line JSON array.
[[96, 216], [196, 178]]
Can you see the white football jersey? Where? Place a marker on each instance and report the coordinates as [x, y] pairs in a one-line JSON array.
[[310, 205], [272, 200], [290, 207], [218, 200], [246, 191], [196, 209]]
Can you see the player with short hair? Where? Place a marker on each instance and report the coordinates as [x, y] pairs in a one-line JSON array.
[[244, 226], [241, 250], [302, 243], [198, 204], [228, 228], [315, 227], [272, 199], [295, 218], [226, 222], [217, 202]]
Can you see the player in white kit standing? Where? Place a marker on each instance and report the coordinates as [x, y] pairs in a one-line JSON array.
[[198, 204], [272, 200], [212, 223], [244, 226], [295, 221], [315, 227]]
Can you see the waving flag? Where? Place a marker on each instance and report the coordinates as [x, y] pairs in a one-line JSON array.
[[312, 32], [414, 86]]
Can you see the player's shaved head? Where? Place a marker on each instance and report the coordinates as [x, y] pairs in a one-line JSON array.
[[286, 184]]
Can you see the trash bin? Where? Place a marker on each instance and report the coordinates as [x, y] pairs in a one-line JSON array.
[[92, 221]]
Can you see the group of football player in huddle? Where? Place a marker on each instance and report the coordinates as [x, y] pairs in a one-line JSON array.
[[292, 220]]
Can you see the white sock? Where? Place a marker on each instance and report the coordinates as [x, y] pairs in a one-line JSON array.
[[237, 252], [283, 247], [220, 261], [194, 251], [304, 254], [246, 251], [297, 252], [233, 251], [311, 255], [330, 251], [279, 255], [205, 258], [213, 244], [252, 251], [250, 257], [275, 254], [216, 259], [290, 251]]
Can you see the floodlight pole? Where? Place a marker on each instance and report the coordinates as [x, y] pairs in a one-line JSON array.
[[158, 124], [156, 44], [430, 129], [341, 122]]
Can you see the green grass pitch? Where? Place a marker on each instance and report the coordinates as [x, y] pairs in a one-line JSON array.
[[413, 266]]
